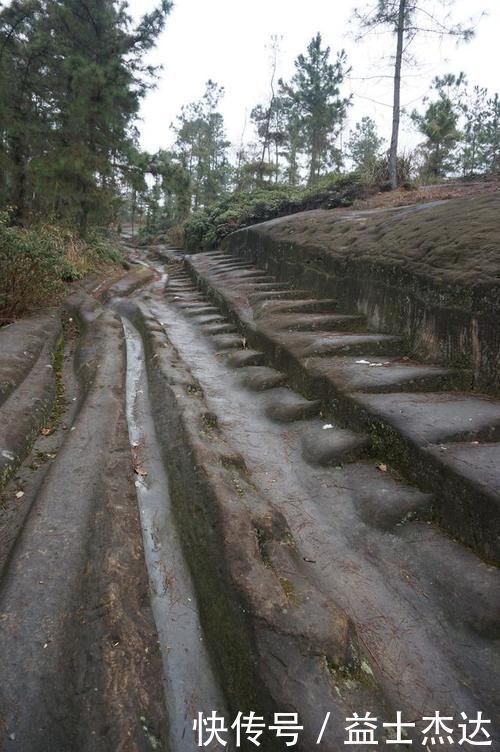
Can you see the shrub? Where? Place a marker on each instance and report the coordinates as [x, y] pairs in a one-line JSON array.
[[206, 228], [36, 264], [102, 250], [406, 169], [33, 268]]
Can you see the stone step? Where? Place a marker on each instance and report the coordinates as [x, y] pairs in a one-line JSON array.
[[424, 577], [467, 478], [227, 341], [260, 378], [300, 306], [317, 322], [201, 310], [467, 588], [419, 431], [225, 261], [262, 286], [209, 318], [324, 344], [187, 302], [275, 294], [434, 418], [218, 255], [244, 358], [372, 391], [285, 406], [365, 373], [177, 282], [244, 276], [326, 444], [233, 266], [225, 327], [381, 500], [192, 304]]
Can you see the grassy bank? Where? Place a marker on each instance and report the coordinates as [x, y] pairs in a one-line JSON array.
[[38, 263]]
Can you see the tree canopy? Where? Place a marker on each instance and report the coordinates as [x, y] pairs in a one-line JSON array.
[[315, 103], [72, 75]]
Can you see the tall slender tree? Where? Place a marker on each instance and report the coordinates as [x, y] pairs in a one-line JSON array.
[[201, 146], [406, 20], [314, 99], [24, 98]]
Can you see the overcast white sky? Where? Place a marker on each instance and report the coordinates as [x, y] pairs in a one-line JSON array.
[[226, 40]]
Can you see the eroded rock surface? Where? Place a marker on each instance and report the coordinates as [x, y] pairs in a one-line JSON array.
[[249, 499]]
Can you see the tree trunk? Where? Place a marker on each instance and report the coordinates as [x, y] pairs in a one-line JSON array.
[[134, 199], [393, 151], [292, 170], [314, 167], [18, 181], [18, 155]]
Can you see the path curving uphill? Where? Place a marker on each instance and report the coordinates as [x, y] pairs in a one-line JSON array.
[[223, 492]]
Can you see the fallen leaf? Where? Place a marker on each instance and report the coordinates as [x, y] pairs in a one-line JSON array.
[[46, 431], [382, 467], [139, 470]]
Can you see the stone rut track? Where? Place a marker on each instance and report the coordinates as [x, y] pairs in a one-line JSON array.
[[249, 501]]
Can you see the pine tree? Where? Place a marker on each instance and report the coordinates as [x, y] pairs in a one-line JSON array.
[[481, 132], [72, 75], [364, 146], [201, 147], [271, 126], [99, 83], [314, 102], [439, 125], [492, 135], [407, 19], [24, 100]]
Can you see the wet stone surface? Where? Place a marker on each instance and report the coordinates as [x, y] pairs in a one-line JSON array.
[[252, 507]]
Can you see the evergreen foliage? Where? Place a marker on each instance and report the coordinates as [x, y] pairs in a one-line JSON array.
[[201, 147], [206, 228], [480, 149], [71, 79], [316, 107], [439, 125], [408, 19], [364, 146]]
